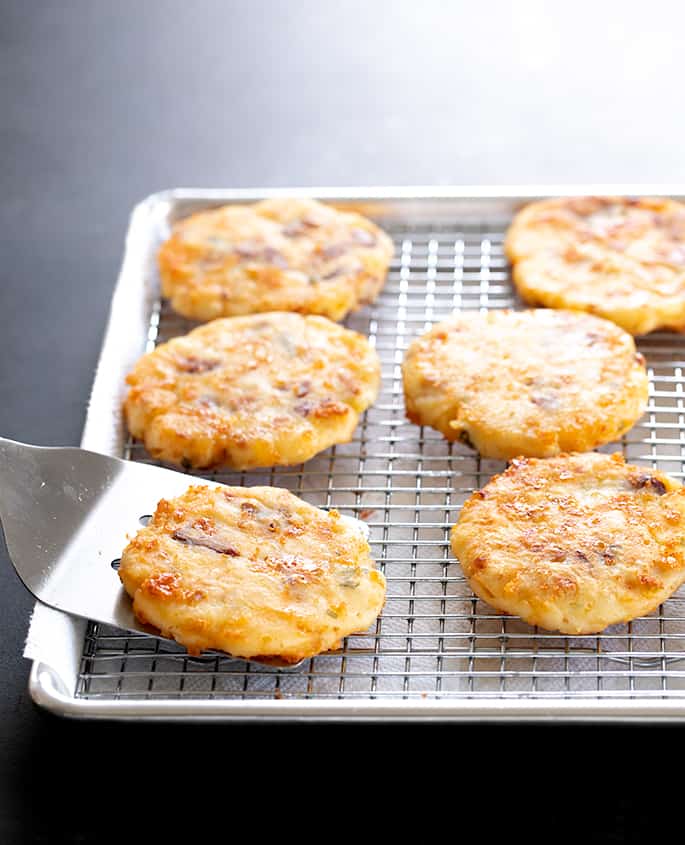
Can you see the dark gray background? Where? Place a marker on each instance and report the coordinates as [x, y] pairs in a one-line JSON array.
[[103, 103]]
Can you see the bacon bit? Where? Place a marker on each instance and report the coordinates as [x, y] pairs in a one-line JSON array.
[[642, 481], [259, 252], [363, 237], [299, 227], [333, 273], [556, 553], [248, 249], [546, 401], [193, 536], [294, 229], [303, 388], [593, 338], [365, 513], [191, 364], [249, 508], [333, 251]]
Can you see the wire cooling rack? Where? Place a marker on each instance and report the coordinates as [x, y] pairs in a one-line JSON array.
[[434, 638]]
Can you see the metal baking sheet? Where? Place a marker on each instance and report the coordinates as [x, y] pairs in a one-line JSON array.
[[436, 651]]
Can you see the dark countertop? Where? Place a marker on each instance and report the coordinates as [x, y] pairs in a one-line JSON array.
[[103, 103]]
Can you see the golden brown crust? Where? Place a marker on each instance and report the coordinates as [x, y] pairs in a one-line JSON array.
[[276, 255], [618, 257], [531, 383], [255, 572], [574, 543], [252, 391]]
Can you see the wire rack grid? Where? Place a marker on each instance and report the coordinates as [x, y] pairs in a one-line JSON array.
[[434, 638]]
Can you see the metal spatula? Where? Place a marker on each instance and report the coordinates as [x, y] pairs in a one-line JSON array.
[[67, 515]]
